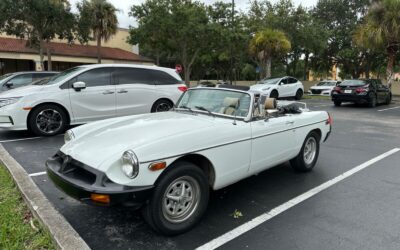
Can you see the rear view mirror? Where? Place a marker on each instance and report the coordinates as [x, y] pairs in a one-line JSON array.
[[78, 86]]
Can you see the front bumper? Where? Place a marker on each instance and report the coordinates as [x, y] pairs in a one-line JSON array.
[[81, 181]]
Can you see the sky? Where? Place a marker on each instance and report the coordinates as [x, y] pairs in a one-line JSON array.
[[124, 6]]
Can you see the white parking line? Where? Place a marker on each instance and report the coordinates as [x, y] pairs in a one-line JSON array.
[[291, 203], [37, 174], [22, 139], [388, 109]]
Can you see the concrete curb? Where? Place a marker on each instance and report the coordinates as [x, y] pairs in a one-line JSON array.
[[64, 236]]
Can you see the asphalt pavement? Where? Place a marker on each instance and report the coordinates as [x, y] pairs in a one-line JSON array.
[[359, 212]]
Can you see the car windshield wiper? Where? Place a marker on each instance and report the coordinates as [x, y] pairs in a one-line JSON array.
[[185, 107], [204, 109]]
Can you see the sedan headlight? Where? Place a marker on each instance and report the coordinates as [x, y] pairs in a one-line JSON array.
[[130, 164], [266, 89], [8, 101], [69, 136]]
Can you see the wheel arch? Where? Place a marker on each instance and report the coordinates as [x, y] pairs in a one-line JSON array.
[[49, 103]]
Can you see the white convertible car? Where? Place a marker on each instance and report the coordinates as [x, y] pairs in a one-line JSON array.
[[166, 163]]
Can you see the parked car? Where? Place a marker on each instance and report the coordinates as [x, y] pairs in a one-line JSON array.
[[324, 87], [368, 91], [166, 163], [280, 87], [88, 93], [20, 79]]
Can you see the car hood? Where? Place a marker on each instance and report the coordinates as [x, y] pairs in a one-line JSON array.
[[21, 91], [104, 140], [260, 87]]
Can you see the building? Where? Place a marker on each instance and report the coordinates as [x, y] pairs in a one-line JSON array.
[[16, 56]]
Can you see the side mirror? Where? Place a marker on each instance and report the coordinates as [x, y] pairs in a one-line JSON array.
[[9, 85], [78, 86]]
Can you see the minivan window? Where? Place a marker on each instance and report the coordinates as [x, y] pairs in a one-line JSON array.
[[133, 76], [63, 75], [95, 77], [163, 78]]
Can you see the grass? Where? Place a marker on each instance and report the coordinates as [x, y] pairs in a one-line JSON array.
[[316, 97], [18, 229]]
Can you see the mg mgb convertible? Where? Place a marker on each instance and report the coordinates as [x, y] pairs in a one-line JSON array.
[[166, 163]]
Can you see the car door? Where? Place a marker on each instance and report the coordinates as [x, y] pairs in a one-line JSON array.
[[135, 90], [293, 86], [273, 141], [97, 100], [381, 91], [284, 88]]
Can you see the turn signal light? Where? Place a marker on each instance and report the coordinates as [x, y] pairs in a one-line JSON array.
[[337, 89], [361, 90], [101, 198], [330, 120], [183, 88], [157, 166]]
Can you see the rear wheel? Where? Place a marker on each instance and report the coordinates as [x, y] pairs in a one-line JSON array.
[[388, 99], [337, 103], [274, 94], [161, 106], [47, 120], [372, 100], [179, 200], [308, 156], [299, 94]]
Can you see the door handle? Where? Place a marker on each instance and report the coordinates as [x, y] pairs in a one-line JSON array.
[[289, 122], [122, 91], [108, 92]]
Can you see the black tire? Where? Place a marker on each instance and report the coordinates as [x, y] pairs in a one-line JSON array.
[[299, 94], [161, 105], [42, 123], [274, 94], [388, 99], [156, 211], [372, 100], [299, 163], [337, 103]]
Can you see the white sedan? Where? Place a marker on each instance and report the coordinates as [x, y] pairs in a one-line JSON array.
[[323, 88], [280, 87], [88, 93], [166, 163]]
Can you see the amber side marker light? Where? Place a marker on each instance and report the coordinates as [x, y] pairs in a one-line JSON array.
[[101, 198], [27, 108], [157, 166]]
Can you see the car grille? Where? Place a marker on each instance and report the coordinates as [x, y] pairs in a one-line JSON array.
[[316, 91], [73, 169]]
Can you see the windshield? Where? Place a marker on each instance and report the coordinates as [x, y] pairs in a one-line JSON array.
[[353, 83], [269, 81], [5, 76], [326, 84], [59, 77], [42, 81], [216, 101]]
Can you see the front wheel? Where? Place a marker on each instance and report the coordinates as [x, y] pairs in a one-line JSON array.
[[179, 200], [47, 120], [274, 94], [308, 156]]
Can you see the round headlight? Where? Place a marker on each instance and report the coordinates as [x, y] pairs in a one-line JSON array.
[[69, 136], [130, 164]]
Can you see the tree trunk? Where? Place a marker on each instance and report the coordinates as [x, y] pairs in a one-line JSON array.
[[305, 72], [389, 69], [49, 63], [186, 72], [41, 55], [268, 67], [98, 49]]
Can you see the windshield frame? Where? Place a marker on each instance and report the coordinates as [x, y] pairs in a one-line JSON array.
[[247, 118]]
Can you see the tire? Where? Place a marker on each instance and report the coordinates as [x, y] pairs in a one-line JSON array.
[[299, 94], [372, 100], [158, 213], [274, 94], [388, 99], [161, 105], [306, 160], [47, 120], [337, 103]]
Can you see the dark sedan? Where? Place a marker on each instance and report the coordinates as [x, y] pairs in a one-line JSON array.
[[362, 91]]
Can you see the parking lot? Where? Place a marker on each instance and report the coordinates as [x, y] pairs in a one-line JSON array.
[[358, 212]]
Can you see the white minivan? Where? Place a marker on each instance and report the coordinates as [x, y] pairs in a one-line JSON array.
[[89, 93]]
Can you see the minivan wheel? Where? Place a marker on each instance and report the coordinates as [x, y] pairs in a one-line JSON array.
[[179, 200], [47, 120], [161, 106]]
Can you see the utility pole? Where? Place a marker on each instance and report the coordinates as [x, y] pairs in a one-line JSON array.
[[231, 47]]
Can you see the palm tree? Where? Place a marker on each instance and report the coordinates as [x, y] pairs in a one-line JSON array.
[[266, 45], [102, 18], [381, 30]]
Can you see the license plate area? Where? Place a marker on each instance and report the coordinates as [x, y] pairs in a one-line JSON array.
[[348, 91]]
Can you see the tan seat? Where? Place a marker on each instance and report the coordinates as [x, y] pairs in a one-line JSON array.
[[230, 105]]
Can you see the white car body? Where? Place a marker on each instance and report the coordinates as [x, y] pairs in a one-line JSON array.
[[324, 88], [285, 86], [89, 104]]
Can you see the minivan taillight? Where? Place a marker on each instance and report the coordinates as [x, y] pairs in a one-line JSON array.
[[183, 88]]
